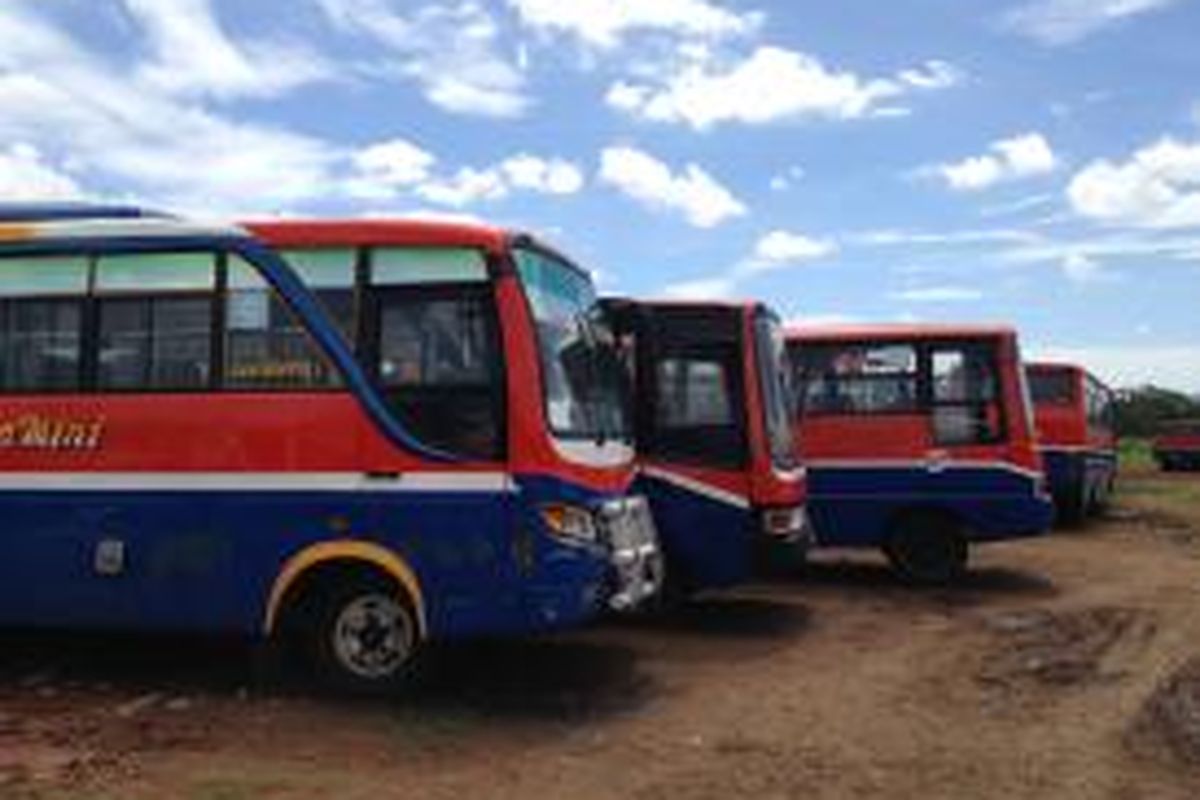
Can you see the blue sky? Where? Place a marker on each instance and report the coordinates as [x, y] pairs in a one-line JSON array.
[[1029, 161]]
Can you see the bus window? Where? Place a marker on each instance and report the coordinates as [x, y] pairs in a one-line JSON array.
[[858, 379], [1052, 387], [155, 321], [774, 381], [964, 392], [266, 347], [329, 273], [434, 346], [696, 417], [41, 315]]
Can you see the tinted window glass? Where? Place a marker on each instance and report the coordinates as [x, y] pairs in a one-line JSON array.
[[1051, 387], [438, 358], [40, 344], [266, 347], [965, 391], [41, 313], [329, 275], [857, 378], [692, 394], [154, 343]]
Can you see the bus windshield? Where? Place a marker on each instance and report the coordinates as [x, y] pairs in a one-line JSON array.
[[581, 371], [1051, 387], [773, 377]]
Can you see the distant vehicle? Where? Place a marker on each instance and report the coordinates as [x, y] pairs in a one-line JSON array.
[[714, 439], [1074, 414], [918, 439], [1177, 446], [415, 432]]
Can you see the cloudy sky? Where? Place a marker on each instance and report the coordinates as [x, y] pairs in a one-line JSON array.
[[1030, 161]]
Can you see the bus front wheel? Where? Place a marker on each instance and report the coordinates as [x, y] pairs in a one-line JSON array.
[[360, 634], [927, 548]]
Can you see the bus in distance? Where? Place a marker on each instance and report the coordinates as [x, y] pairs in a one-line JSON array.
[[1177, 445], [918, 440], [715, 451], [194, 436], [1074, 415]]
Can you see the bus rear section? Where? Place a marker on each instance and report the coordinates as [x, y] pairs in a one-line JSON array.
[[918, 440], [715, 450], [1177, 446], [1074, 415], [194, 436]]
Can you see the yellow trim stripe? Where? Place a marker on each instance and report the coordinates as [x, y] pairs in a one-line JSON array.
[[10, 232], [344, 550]]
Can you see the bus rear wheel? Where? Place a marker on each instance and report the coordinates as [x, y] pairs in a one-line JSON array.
[[927, 549], [362, 637]]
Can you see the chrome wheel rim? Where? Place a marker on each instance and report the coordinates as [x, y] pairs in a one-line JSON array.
[[373, 636]]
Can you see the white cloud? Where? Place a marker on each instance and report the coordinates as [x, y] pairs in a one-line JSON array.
[[786, 179], [1059, 22], [1010, 159], [783, 248], [773, 251], [452, 51], [24, 175], [389, 169], [900, 237], [1084, 269], [193, 55], [1158, 187], [702, 200], [939, 294], [772, 84], [602, 23]]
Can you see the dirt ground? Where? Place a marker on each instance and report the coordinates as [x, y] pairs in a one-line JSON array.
[[1065, 667]]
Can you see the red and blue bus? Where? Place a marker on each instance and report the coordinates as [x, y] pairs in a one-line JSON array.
[[1177, 445], [1074, 415], [413, 432], [713, 432], [918, 440]]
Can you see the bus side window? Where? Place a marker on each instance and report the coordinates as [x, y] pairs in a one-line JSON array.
[[41, 321], [435, 346], [965, 395], [155, 321], [329, 274], [696, 417], [266, 346]]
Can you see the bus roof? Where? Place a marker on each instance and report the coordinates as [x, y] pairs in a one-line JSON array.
[[898, 331], [363, 232], [45, 231], [1065, 366], [33, 212]]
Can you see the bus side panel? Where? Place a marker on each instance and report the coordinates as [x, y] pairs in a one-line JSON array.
[[855, 505], [707, 540]]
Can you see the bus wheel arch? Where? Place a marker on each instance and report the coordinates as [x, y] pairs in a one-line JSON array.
[[927, 545], [355, 614]]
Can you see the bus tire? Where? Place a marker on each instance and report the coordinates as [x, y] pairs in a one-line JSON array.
[[927, 548], [360, 634]]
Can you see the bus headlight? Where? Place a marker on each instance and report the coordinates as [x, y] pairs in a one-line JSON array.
[[785, 522], [570, 522]]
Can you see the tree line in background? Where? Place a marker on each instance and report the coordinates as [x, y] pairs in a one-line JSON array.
[[1140, 412]]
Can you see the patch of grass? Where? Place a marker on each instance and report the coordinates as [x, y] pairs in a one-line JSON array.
[[1135, 455]]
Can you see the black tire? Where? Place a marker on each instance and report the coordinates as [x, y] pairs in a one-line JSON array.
[[362, 637], [1071, 506], [927, 548]]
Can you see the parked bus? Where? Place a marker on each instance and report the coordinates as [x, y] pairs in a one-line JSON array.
[[717, 463], [919, 440], [352, 455], [1177, 446], [1074, 413]]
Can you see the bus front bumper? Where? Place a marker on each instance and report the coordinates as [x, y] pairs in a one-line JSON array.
[[634, 551]]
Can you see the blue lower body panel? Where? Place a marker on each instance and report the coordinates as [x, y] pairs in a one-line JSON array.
[[857, 506], [1079, 479], [207, 560], [707, 542]]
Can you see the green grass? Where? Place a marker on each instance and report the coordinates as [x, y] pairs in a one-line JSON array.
[[1136, 455]]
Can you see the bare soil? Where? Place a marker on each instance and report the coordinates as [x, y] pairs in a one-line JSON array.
[[1063, 667]]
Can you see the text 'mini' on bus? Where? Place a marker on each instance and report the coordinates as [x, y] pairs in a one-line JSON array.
[[713, 431], [1074, 412], [919, 440], [196, 437], [1177, 445]]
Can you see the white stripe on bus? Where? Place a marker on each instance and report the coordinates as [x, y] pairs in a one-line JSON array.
[[698, 487], [492, 482]]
